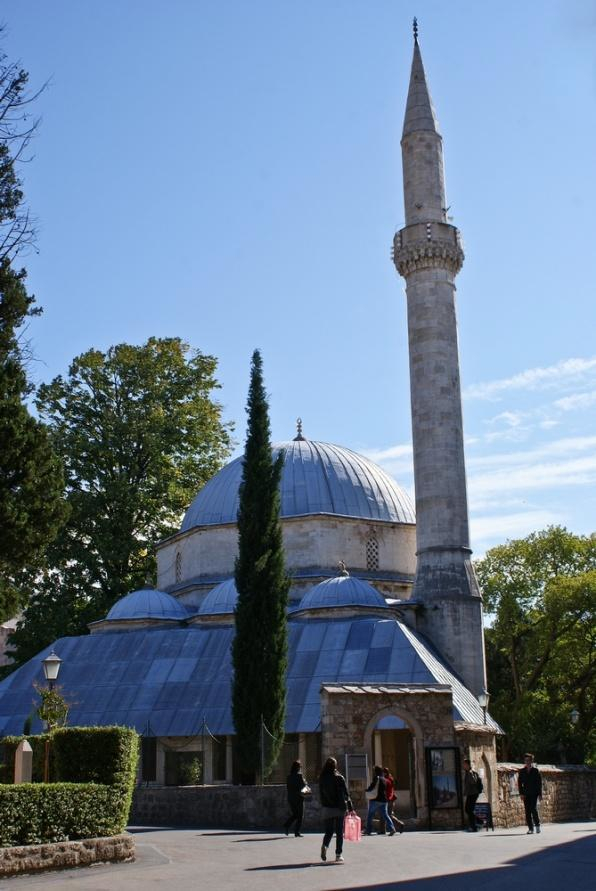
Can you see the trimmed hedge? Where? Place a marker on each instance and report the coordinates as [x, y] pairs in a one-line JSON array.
[[95, 768], [38, 813]]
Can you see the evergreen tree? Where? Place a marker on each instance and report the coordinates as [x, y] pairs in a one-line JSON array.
[[31, 477], [260, 645], [139, 434]]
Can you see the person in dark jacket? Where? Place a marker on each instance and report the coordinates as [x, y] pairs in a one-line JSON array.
[[379, 802], [529, 783], [335, 801], [294, 784], [472, 789]]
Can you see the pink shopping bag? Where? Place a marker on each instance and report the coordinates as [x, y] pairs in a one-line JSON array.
[[352, 827]]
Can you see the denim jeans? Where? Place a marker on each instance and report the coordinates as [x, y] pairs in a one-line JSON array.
[[373, 807]]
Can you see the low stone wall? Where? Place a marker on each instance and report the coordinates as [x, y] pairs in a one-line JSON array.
[[240, 807], [568, 793], [65, 855]]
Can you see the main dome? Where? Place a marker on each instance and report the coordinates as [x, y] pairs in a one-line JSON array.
[[317, 478]]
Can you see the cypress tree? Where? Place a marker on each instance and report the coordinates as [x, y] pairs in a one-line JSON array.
[[260, 645]]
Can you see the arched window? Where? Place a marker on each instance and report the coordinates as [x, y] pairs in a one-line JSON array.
[[372, 554], [178, 567]]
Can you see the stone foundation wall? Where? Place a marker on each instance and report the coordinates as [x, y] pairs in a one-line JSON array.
[[65, 855], [568, 793], [238, 807]]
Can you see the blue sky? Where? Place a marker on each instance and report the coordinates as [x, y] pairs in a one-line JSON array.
[[229, 172]]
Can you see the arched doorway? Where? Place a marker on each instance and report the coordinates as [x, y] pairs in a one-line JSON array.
[[393, 747]]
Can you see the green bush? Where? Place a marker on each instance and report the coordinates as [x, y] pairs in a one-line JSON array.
[[33, 813], [94, 769]]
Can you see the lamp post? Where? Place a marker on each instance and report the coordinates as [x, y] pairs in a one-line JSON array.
[[574, 716], [483, 699], [51, 667]]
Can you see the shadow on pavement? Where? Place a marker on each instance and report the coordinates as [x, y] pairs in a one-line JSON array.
[[568, 865]]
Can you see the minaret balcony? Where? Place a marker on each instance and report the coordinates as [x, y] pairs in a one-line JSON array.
[[427, 245]]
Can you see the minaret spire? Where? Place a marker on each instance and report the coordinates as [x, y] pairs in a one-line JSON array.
[[428, 253]]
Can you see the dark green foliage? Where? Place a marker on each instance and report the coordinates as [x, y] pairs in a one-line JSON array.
[[31, 478], [541, 645], [92, 773], [96, 754], [260, 645], [139, 433], [33, 814]]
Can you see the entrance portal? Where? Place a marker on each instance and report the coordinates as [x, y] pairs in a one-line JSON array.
[[393, 748]]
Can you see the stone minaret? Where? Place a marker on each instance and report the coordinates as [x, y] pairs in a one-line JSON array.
[[428, 253]]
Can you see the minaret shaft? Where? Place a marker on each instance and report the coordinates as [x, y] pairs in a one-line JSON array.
[[428, 253]]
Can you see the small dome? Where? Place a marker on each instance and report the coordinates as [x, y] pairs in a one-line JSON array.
[[317, 478], [220, 600], [147, 603], [343, 590]]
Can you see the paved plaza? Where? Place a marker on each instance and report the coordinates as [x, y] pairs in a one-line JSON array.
[[562, 858]]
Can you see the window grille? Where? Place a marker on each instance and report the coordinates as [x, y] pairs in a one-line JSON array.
[[372, 554]]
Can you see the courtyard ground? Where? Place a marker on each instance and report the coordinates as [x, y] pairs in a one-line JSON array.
[[561, 858]]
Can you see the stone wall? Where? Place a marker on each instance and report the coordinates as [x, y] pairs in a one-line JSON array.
[[568, 793], [65, 855], [238, 807]]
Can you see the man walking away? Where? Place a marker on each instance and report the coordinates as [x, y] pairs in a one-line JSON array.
[[472, 789], [529, 783]]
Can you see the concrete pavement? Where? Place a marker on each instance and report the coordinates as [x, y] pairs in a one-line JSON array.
[[562, 858]]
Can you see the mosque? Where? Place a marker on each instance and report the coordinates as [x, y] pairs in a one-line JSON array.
[[386, 649]]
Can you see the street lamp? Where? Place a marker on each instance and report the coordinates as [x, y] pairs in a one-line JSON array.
[[51, 667], [574, 716], [483, 699]]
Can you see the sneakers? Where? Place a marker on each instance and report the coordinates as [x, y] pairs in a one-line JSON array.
[[339, 858], [530, 832], [323, 853], [538, 829], [392, 833], [298, 835]]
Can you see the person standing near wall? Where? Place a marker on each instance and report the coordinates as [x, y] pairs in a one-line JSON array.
[[296, 784], [472, 789], [529, 783]]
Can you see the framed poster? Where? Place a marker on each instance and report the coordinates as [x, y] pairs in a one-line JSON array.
[[444, 780]]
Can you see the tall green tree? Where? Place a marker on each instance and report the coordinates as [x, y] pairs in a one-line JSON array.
[[139, 433], [260, 645], [31, 479], [541, 646]]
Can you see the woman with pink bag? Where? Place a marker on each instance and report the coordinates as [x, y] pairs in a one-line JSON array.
[[335, 801]]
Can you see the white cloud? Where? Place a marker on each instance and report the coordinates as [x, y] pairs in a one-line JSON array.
[[576, 401], [485, 531], [534, 379]]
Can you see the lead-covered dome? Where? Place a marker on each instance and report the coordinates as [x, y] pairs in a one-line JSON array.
[[342, 591], [221, 600], [147, 603], [317, 478]]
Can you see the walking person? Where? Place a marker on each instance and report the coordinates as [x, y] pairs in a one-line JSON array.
[[472, 789], [335, 801], [378, 802], [391, 798], [295, 785], [529, 783]]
